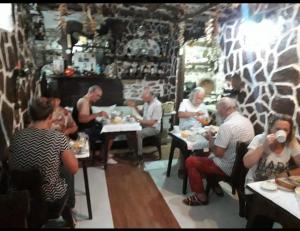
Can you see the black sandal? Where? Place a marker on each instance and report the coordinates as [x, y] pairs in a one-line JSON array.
[[193, 200]]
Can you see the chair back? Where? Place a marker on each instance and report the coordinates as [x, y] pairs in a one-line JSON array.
[[239, 171], [30, 180], [14, 209]]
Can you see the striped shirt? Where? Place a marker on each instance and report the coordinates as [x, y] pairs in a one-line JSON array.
[[235, 128], [42, 149]]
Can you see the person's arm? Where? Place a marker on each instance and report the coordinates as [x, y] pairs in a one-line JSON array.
[[132, 104], [147, 123], [255, 154], [156, 116], [217, 150], [70, 162], [71, 128], [187, 114], [84, 115]]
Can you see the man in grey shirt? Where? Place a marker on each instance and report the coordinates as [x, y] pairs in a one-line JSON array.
[[151, 122]]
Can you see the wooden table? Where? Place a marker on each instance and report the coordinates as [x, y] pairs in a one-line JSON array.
[[83, 156], [186, 148], [281, 206]]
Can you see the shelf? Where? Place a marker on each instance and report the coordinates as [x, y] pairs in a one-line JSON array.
[[142, 59]]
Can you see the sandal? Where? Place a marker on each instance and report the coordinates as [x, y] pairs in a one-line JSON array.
[[218, 190], [193, 200]]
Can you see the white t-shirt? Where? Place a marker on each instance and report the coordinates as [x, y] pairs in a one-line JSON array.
[[153, 111], [187, 106], [235, 128], [271, 163]]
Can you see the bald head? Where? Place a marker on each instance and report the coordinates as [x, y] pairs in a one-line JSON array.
[[226, 106], [95, 93]]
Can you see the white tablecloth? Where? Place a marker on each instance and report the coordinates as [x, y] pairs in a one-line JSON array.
[[123, 127], [199, 143]]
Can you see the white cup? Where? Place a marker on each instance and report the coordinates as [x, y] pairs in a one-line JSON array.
[[176, 129], [280, 136]]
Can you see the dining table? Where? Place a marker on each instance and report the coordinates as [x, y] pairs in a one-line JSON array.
[[83, 155], [276, 203], [112, 130], [195, 143]]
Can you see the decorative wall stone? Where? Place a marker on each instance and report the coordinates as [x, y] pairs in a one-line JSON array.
[[271, 76], [14, 49]]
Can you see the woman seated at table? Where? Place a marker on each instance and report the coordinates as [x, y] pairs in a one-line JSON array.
[[49, 151], [62, 119], [269, 154]]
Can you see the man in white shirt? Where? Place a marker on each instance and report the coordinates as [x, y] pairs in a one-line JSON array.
[[235, 128], [192, 111], [151, 122]]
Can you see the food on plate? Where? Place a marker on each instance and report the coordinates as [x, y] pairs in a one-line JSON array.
[[117, 120], [285, 183], [185, 133], [295, 180]]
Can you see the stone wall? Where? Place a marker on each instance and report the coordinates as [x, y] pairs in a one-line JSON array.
[[268, 78], [16, 86]]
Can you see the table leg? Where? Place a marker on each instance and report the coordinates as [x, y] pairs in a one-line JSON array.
[[185, 155], [170, 157], [106, 142], [87, 189]]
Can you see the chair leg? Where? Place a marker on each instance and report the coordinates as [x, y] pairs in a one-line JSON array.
[[242, 203], [158, 145], [170, 158]]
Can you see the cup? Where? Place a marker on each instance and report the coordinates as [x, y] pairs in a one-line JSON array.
[[280, 136], [176, 129]]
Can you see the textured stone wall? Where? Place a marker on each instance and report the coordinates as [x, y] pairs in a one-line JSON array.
[[15, 91], [166, 36], [268, 79]]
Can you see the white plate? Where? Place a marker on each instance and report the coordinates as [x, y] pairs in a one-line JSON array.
[[269, 185]]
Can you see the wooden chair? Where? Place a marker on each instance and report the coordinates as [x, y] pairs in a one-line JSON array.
[[41, 210], [156, 139], [237, 178]]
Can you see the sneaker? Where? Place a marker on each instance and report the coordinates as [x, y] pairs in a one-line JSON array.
[[111, 161]]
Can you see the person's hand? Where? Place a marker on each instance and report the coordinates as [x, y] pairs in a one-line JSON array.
[[203, 120], [270, 139], [102, 114], [198, 113]]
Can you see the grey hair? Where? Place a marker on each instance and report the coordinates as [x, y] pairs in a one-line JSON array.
[[39, 109], [196, 91], [94, 88], [227, 102]]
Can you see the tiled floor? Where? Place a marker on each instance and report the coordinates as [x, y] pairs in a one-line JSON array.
[[102, 217]]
